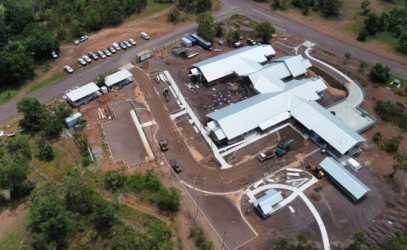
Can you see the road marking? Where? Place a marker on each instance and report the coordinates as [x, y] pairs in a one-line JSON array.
[[275, 19]]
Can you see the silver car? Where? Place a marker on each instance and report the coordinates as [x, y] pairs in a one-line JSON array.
[[111, 49], [81, 61], [107, 52], [132, 42], [87, 59], [68, 69], [127, 44], [101, 54]]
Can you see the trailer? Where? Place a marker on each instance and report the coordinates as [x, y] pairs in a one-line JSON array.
[[202, 42], [144, 55], [191, 38], [266, 155], [186, 42]]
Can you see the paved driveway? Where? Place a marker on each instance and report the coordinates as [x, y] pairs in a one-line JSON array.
[[124, 141]]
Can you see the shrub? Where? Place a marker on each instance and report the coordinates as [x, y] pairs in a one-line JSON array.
[[380, 73], [199, 238]]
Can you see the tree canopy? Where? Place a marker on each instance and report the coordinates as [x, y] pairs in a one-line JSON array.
[[206, 26], [265, 30]]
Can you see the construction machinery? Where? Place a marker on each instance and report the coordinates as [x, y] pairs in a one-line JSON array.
[[315, 170], [283, 149], [266, 155]]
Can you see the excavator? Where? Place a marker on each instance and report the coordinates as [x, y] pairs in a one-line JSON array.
[[316, 171], [283, 149]]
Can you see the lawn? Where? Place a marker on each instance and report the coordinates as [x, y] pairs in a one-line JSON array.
[[14, 241], [47, 81], [6, 94]]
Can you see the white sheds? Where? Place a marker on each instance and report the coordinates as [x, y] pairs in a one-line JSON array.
[[349, 183], [119, 77], [329, 127], [83, 94], [241, 61], [266, 203], [73, 119]]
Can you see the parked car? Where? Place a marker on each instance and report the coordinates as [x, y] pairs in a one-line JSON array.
[[163, 145], [93, 56], [127, 44], [81, 61], [145, 36], [177, 169], [251, 41], [122, 45], [237, 44], [54, 54], [68, 69], [87, 59], [83, 38], [111, 49], [116, 46], [107, 52], [132, 42], [101, 54], [76, 42]]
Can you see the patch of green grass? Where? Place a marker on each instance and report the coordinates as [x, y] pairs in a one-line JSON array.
[[389, 40], [13, 241], [58, 167], [152, 8], [47, 81], [7, 94]]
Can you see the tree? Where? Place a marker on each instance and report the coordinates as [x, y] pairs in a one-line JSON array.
[[363, 34], [34, 114], [401, 162], [380, 73], [232, 36], [363, 65], [104, 215], [51, 223], [39, 40], [19, 148], [62, 110], [347, 55], [203, 5], [206, 26], [331, 8], [114, 180], [358, 241], [403, 41], [280, 4], [17, 64], [51, 124], [45, 150], [186, 5], [372, 24], [265, 30], [219, 29], [174, 16], [365, 7]]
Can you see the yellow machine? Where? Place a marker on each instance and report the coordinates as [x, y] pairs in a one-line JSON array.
[[316, 171]]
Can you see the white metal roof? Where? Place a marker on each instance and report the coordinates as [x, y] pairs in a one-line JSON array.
[[349, 182], [268, 79], [274, 120], [242, 61], [328, 126], [81, 92], [271, 198], [264, 109], [117, 77], [297, 65]]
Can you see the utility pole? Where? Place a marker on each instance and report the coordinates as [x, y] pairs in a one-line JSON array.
[[223, 240]]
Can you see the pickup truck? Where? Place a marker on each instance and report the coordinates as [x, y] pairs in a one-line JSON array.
[[266, 155]]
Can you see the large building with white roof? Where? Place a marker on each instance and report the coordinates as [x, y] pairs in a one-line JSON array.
[[283, 94], [83, 94], [243, 61]]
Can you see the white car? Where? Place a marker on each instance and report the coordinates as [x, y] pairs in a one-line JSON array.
[[107, 52], [127, 44], [81, 61], [145, 36], [83, 38], [76, 42], [87, 59], [54, 54], [132, 42], [116, 46], [101, 54], [68, 69], [111, 49]]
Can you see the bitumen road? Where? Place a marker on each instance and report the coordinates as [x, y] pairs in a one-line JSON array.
[[90, 72]]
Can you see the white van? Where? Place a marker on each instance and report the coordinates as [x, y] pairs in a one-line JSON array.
[[144, 35]]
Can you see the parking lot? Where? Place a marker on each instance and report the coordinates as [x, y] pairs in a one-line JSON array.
[[124, 141]]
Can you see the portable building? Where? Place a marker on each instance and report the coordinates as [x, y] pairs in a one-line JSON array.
[[73, 119], [186, 42], [202, 42], [265, 204], [83, 94], [144, 55], [121, 77], [353, 164]]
